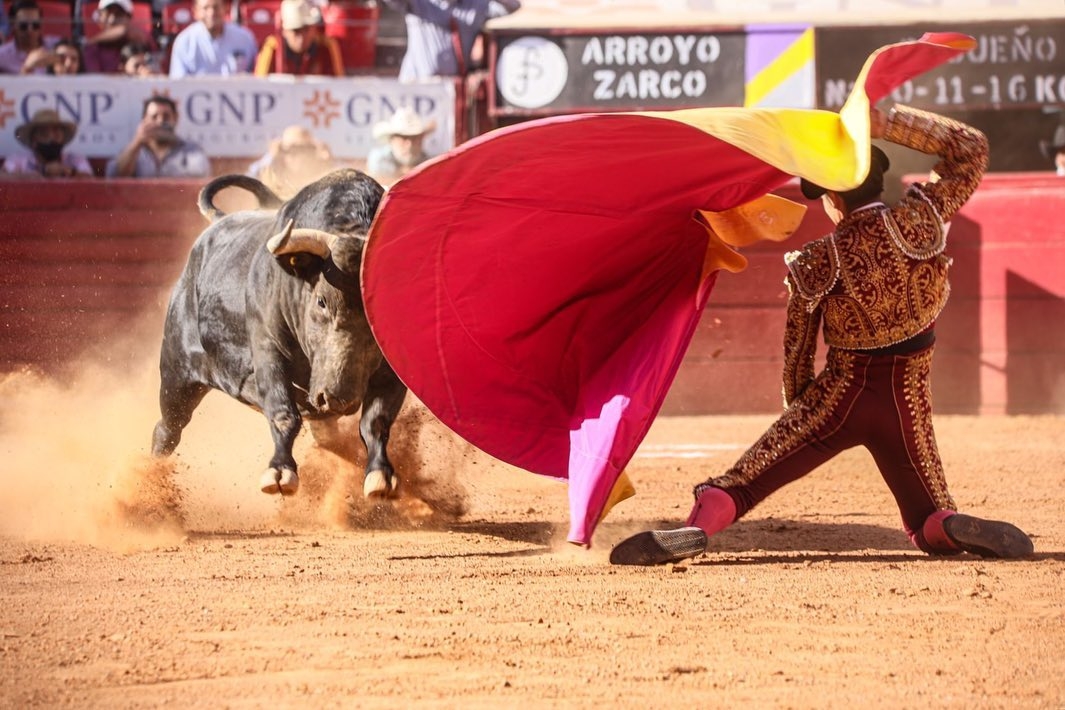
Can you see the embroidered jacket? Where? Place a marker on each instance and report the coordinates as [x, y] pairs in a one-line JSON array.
[[881, 277]]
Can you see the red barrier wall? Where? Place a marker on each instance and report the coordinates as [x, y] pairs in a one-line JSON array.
[[84, 260]]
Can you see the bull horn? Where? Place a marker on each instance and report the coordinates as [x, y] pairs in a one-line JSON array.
[[291, 241]]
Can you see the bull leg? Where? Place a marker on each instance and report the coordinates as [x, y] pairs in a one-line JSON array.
[[285, 422], [380, 407], [176, 404]]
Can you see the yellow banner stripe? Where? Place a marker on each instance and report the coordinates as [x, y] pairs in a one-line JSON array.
[[798, 54]]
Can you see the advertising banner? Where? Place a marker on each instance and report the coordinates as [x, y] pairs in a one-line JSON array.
[[230, 117]]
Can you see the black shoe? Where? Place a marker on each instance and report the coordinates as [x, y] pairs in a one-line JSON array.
[[987, 538], [657, 547]]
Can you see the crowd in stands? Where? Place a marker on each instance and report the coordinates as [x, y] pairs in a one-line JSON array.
[[126, 37]]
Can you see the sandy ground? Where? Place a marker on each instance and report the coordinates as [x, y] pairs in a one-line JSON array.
[[126, 585]]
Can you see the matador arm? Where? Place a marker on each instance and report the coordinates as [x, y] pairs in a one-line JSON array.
[[800, 342], [963, 152]]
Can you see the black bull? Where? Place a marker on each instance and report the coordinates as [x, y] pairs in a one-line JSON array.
[[269, 311]]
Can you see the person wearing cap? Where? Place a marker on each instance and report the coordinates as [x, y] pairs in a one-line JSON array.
[[441, 34], [300, 48], [403, 136], [28, 51], [212, 45], [156, 150], [103, 51], [293, 161], [874, 288], [46, 136]]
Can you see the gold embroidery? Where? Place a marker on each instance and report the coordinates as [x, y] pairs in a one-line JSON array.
[[795, 427], [917, 396], [814, 269]]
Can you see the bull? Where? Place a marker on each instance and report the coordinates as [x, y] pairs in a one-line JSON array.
[[269, 310]]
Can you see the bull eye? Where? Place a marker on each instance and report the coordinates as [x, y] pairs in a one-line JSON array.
[[321, 303]]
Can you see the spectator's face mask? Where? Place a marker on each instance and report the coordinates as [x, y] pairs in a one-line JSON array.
[[48, 143], [49, 151]]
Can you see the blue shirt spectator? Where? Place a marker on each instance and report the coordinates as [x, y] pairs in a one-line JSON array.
[[212, 45]]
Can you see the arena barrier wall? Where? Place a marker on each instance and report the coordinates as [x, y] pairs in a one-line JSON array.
[[89, 262]]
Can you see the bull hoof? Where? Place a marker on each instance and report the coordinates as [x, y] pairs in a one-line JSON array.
[[377, 485], [283, 481]]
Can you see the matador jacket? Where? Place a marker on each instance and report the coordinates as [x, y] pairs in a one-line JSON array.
[[881, 276]]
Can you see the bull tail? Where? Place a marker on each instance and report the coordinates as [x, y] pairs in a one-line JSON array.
[[266, 197]]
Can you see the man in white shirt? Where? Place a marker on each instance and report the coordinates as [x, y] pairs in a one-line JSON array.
[[212, 45]]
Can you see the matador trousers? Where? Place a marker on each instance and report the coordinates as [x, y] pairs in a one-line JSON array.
[[881, 402]]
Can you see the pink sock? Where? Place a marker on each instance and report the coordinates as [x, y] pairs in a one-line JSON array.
[[934, 535], [713, 512]]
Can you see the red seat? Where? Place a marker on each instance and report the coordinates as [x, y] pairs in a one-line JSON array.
[[177, 16], [259, 16], [354, 26], [57, 18], [142, 18]]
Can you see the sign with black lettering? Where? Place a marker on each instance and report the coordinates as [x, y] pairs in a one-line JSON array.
[[619, 71], [1015, 64]]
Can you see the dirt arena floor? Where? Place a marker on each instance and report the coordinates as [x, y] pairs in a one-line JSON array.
[[127, 585]]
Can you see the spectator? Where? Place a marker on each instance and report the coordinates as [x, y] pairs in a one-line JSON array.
[[46, 135], [212, 45], [156, 150], [28, 51], [66, 59], [138, 60], [300, 48], [403, 134], [294, 160], [5, 27], [103, 51], [441, 33]]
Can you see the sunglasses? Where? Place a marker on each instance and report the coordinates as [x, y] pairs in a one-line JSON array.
[[24, 26]]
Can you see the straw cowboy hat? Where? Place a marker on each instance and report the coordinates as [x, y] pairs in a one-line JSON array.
[[296, 14], [42, 118], [404, 122]]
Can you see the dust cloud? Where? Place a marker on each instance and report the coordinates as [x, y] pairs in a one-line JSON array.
[[77, 464]]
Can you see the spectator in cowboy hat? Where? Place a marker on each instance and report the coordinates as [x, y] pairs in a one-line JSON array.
[[103, 51], [46, 135], [293, 161], [299, 48], [403, 135], [1054, 149]]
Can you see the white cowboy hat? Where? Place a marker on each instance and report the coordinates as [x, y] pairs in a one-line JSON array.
[[296, 14], [404, 122], [45, 117]]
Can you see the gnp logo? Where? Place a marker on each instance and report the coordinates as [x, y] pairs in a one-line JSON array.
[[83, 107]]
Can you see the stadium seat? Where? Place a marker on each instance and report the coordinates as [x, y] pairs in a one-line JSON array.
[[259, 17], [57, 18], [354, 26], [142, 17], [177, 16]]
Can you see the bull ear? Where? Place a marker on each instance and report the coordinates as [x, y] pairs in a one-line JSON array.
[[301, 264]]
